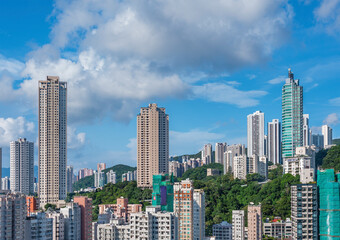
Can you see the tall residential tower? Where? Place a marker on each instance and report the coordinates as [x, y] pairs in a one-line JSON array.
[[152, 144], [52, 140], [292, 116], [256, 133], [21, 166], [274, 142]]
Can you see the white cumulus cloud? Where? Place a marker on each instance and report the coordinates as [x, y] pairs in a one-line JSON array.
[[332, 119], [13, 128]]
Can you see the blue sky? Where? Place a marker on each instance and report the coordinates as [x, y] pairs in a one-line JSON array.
[[209, 63]]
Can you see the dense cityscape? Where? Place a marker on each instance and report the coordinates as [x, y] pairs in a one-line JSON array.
[[169, 120], [40, 209]]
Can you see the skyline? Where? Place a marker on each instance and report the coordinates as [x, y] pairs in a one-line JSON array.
[[192, 93]]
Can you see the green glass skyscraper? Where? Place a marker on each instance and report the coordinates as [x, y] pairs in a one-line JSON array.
[[292, 116]]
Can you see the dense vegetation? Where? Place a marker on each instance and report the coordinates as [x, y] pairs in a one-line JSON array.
[[89, 181], [336, 141], [201, 172], [197, 155], [332, 159]]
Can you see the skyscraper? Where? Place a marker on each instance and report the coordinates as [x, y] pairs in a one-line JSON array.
[[254, 222], [327, 133], [207, 154], [52, 140], [220, 148], [69, 179], [307, 133], [292, 115], [274, 141], [255, 136], [199, 214], [152, 144], [22, 166]]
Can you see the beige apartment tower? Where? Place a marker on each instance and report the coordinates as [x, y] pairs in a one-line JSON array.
[[152, 144], [254, 222], [52, 140]]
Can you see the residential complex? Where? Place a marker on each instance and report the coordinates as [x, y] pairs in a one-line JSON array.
[[255, 134], [274, 142], [220, 148], [152, 144], [52, 140], [21, 166], [238, 225], [207, 154]]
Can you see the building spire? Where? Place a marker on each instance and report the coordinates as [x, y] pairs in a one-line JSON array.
[[290, 74]]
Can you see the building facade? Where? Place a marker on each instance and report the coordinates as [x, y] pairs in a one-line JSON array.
[[52, 140], [22, 166], [240, 167], [292, 116], [304, 211], [254, 222], [38, 227], [152, 144], [223, 231], [199, 214], [255, 134], [327, 133], [85, 205], [274, 142], [72, 216], [307, 133], [206, 154], [220, 148], [278, 229], [238, 225], [111, 177], [69, 179]]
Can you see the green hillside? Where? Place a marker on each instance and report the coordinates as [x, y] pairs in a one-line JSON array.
[[332, 158], [89, 181], [197, 155], [336, 141]]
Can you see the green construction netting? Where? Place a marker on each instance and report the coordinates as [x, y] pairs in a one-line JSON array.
[[329, 199]]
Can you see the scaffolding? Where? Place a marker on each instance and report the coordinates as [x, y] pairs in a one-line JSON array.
[[329, 198], [163, 192]]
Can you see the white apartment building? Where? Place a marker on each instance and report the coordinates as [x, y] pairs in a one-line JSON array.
[[238, 225], [72, 220], [111, 177], [117, 229], [12, 215], [21, 166], [252, 164], [199, 214], [5, 183], [255, 134], [274, 142], [278, 229], [307, 133], [38, 227], [240, 167], [220, 148], [231, 152], [52, 140], [327, 133], [223, 231]]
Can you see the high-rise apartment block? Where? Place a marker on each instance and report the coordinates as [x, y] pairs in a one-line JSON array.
[[1, 166], [72, 216], [223, 231], [152, 144], [318, 141], [99, 179], [254, 222], [307, 133], [101, 166], [274, 142], [58, 224], [69, 179], [329, 199], [199, 214], [231, 152], [238, 225], [327, 135], [111, 177], [84, 172], [304, 211], [263, 166], [220, 148], [12, 215], [85, 204], [255, 133], [240, 167], [183, 207], [21, 166], [206, 154], [38, 226], [52, 140], [292, 116]]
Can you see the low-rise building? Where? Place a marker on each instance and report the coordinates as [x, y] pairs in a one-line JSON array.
[[223, 231], [212, 172], [278, 228]]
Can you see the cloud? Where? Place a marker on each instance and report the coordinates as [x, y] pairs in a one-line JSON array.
[[75, 140], [328, 16], [332, 119], [191, 141], [335, 101], [219, 92], [277, 80], [10, 65], [13, 128]]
